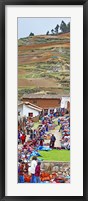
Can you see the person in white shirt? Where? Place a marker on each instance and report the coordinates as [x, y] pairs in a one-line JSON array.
[[32, 168]]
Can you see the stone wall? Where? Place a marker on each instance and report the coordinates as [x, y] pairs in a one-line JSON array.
[[61, 168]]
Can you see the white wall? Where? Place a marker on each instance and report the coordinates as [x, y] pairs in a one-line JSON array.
[[26, 110], [20, 109], [64, 102]]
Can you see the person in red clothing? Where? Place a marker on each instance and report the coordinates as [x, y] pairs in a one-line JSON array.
[[34, 142], [23, 137], [37, 173], [21, 173], [41, 141]]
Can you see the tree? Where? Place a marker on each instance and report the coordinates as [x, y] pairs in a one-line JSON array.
[[52, 31], [56, 29], [31, 34], [63, 27], [47, 33], [68, 27]]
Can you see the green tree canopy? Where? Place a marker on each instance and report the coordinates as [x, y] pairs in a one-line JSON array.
[[52, 31], [68, 27], [64, 27], [56, 29], [47, 33], [31, 34]]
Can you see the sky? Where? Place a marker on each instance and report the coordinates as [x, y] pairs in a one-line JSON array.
[[38, 26]]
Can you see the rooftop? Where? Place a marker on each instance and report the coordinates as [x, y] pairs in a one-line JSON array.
[[43, 96], [30, 105]]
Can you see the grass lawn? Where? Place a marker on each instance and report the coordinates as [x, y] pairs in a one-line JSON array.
[[55, 155]]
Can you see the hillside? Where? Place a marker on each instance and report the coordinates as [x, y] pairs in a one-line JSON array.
[[44, 64]]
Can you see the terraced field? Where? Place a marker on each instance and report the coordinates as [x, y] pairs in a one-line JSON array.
[[44, 64]]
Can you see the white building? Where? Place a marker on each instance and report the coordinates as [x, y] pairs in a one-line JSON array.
[[64, 102], [28, 109]]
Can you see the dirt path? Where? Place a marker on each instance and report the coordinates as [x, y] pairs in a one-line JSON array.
[[58, 138]]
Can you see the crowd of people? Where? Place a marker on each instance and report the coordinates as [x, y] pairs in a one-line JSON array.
[[30, 140], [32, 173], [36, 136], [65, 130]]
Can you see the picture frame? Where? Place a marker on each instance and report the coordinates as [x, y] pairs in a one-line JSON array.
[[3, 103]]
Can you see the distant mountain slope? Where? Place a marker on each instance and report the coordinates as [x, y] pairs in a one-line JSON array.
[[44, 64]]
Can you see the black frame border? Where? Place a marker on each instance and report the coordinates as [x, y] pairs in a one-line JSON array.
[[2, 97]]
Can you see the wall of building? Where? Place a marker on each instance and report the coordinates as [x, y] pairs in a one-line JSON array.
[[20, 109], [64, 102], [44, 103], [68, 106], [27, 110], [24, 110]]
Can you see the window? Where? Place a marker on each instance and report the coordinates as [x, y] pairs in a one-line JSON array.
[[30, 114]]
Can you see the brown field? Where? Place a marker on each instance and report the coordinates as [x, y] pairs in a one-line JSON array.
[[65, 35], [25, 48], [38, 82], [44, 63]]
